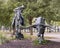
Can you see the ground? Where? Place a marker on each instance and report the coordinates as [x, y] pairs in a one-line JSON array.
[[28, 43]]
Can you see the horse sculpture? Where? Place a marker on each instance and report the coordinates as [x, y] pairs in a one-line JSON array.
[[17, 22]]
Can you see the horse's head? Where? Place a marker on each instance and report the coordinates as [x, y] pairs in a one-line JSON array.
[[20, 8]]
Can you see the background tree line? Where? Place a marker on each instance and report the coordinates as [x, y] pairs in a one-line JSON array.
[[49, 9]]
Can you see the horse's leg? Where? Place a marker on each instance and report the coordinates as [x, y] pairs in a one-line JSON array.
[[14, 31], [42, 37]]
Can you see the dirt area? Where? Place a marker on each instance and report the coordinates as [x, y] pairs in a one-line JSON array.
[[26, 43]]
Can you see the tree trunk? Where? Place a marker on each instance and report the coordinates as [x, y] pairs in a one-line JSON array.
[[49, 22], [10, 29], [30, 23]]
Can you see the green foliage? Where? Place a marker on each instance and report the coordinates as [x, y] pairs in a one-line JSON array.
[[36, 42], [49, 9]]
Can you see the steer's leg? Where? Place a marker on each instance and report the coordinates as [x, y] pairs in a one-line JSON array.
[[43, 33], [39, 35], [39, 38], [14, 31]]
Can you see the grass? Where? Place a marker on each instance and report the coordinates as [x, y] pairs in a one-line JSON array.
[[35, 39], [5, 38], [36, 42], [44, 42], [28, 36]]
